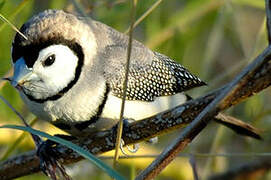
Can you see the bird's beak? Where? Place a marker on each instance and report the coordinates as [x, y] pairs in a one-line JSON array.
[[21, 73]]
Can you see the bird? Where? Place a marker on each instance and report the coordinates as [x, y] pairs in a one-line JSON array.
[[69, 71]]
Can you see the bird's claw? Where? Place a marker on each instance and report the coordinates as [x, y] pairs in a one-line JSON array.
[[134, 149], [49, 163]]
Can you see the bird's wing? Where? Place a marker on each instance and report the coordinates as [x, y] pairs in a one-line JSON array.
[[151, 74]]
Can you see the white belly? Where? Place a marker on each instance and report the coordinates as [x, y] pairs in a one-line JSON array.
[[138, 110]]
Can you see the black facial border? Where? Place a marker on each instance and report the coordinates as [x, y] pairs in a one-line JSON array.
[[30, 54]]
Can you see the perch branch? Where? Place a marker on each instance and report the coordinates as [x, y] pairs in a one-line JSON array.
[[178, 117]]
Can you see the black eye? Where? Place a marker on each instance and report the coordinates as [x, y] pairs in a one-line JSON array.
[[49, 61]]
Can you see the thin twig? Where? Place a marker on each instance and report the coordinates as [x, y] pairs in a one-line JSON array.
[[79, 8], [36, 138], [197, 155], [14, 110], [143, 16], [125, 83], [12, 26], [130, 30], [17, 9]]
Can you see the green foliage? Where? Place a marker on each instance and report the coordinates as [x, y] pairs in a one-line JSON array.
[[214, 39]]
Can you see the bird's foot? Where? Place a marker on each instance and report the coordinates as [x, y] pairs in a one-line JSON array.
[[49, 159], [134, 147]]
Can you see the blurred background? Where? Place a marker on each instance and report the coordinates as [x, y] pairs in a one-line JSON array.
[[214, 39]]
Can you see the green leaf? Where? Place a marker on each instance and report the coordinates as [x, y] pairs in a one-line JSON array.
[[2, 4], [72, 146]]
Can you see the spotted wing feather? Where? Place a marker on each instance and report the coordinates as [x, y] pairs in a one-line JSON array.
[[151, 74]]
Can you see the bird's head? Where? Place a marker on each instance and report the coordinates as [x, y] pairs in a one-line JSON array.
[[48, 60]]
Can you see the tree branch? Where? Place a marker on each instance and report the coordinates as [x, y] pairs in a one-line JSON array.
[[178, 117]]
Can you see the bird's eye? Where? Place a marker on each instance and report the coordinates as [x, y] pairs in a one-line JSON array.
[[49, 61]]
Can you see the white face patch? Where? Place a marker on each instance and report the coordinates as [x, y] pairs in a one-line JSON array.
[[55, 68]]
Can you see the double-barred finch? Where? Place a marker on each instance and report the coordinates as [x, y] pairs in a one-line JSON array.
[[70, 72]]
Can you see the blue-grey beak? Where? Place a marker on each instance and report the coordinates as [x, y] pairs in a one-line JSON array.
[[21, 72]]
